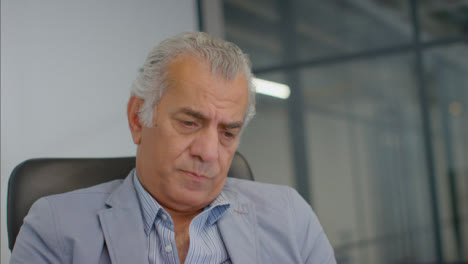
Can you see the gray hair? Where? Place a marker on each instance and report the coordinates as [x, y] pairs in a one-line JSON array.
[[226, 59]]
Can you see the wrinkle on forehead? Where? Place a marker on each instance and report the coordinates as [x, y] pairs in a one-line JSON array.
[[191, 78]]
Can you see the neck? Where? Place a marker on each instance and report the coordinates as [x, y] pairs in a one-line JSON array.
[[182, 222], [181, 219]]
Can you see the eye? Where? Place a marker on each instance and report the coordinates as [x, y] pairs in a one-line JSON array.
[[188, 123], [228, 136]]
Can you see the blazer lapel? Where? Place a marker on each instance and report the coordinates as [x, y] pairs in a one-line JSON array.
[[122, 225], [238, 228]]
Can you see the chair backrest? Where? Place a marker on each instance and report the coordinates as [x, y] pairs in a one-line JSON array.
[[36, 178]]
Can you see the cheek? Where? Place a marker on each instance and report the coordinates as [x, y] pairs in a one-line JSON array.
[[171, 144], [148, 142], [226, 158]]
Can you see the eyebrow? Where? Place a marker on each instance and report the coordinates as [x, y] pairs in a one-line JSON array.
[[198, 115], [193, 113], [234, 125]]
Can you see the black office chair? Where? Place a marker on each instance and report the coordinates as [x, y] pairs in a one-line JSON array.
[[36, 178]]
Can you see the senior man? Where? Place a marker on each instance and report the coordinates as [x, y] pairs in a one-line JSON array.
[[189, 105]]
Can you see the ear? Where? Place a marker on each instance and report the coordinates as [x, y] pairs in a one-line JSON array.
[[133, 108]]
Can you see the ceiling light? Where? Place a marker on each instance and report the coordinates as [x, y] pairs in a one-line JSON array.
[[269, 88]]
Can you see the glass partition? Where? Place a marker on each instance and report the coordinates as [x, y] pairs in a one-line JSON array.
[[374, 133]]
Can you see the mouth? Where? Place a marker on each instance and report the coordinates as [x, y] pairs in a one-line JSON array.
[[195, 176]]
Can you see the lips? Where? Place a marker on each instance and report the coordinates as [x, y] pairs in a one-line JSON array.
[[195, 175]]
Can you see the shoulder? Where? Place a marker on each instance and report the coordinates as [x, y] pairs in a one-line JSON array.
[[96, 193], [248, 187], [54, 223], [67, 209], [75, 205], [262, 193], [284, 218], [276, 203], [78, 205], [103, 188]]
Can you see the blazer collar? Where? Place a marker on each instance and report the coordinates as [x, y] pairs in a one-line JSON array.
[[238, 228], [122, 225]]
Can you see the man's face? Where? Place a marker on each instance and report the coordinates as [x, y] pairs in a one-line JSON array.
[[184, 158]]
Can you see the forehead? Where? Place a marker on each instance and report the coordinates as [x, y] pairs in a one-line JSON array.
[[192, 84]]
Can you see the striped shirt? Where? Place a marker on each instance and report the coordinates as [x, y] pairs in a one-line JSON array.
[[206, 244]]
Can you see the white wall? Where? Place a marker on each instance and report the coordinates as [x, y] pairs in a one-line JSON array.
[[66, 69]]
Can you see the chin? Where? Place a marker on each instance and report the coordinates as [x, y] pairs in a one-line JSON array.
[[192, 200]]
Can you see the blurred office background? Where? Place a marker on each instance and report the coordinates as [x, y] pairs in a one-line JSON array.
[[375, 132]]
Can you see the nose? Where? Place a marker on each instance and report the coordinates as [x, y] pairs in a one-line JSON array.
[[205, 145]]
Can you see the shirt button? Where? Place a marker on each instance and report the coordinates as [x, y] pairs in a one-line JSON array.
[[168, 249], [164, 217]]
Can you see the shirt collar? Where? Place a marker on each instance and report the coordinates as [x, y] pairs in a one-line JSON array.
[[151, 209], [149, 206], [217, 208]]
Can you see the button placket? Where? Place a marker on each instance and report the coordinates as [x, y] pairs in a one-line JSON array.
[[168, 248]]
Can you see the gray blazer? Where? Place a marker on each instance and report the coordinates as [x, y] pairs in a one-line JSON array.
[[103, 224]]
